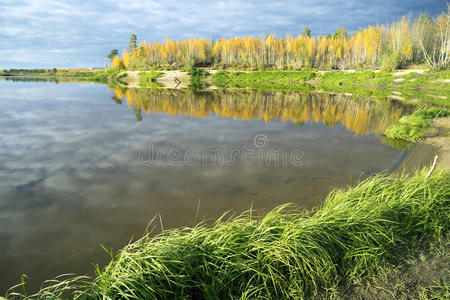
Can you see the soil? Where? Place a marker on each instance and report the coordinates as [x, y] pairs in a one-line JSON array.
[[424, 276], [436, 143], [169, 79], [441, 141]]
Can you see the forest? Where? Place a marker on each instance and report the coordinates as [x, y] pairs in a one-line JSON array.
[[408, 41]]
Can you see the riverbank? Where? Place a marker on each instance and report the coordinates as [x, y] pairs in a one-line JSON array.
[[334, 251], [408, 85]]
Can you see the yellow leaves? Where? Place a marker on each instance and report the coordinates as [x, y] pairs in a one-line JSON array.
[[116, 63], [339, 50], [406, 51], [126, 58]]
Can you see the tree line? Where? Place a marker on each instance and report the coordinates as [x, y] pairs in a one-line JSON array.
[[407, 41]]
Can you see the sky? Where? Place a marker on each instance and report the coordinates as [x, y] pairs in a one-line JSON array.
[[80, 33]]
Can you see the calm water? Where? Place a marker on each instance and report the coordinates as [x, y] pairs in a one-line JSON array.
[[80, 164]]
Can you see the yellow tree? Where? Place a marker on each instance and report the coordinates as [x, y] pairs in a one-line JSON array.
[[116, 63], [126, 58]]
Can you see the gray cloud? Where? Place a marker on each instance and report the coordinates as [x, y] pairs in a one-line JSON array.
[[52, 33]]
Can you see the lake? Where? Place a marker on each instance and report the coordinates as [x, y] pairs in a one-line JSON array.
[[84, 165]]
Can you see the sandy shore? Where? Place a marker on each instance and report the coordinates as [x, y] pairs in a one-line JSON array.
[[423, 153], [441, 141], [169, 79]]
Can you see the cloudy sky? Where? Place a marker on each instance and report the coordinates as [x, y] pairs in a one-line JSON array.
[[80, 33]]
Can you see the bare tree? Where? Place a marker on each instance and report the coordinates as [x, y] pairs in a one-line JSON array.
[[433, 38]]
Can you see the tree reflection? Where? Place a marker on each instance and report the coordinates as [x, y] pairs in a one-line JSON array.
[[360, 116]]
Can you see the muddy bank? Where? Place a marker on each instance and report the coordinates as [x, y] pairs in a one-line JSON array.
[[422, 154], [423, 276]]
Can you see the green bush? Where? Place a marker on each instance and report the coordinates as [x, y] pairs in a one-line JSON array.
[[389, 62]]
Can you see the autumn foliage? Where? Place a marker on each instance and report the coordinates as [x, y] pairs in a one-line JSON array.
[[390, 46]]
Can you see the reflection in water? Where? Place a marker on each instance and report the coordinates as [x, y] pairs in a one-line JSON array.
[[363, 117], [70, 178]]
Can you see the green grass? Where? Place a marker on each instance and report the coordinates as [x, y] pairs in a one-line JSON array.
[[196, 77], [265, 80], [418, 82], [442, 102], [415, 120], [367, 77], [434, 112], [360, 83], [147, 79], [354, 89], [100, 77], [286, 254], [413, 127], [405, 132], [444, 74], [411, 75]]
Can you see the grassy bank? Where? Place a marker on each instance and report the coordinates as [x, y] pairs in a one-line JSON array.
[[286, 254], [414, 127], [264, 80], [360, 83], [101, 77]]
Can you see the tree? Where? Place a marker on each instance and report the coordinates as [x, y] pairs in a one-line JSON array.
[[114, 52], [126, 58], [132, 44], [340, 34], [306, 32], [116, 63], [433, 37]]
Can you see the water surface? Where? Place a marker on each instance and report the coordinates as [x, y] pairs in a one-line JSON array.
[[73, 174]]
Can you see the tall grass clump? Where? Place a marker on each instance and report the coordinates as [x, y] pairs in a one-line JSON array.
[[288, 253], [413, 127]]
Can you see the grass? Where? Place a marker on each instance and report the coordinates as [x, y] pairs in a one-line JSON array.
[[360, 83], [356, 78], [147, 79], [102, 77], [413, 127], [444, 74], [264, 80], [286, 254], [380, 85], [415, 120], [411, 75], [196, 77], [405, 132]]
